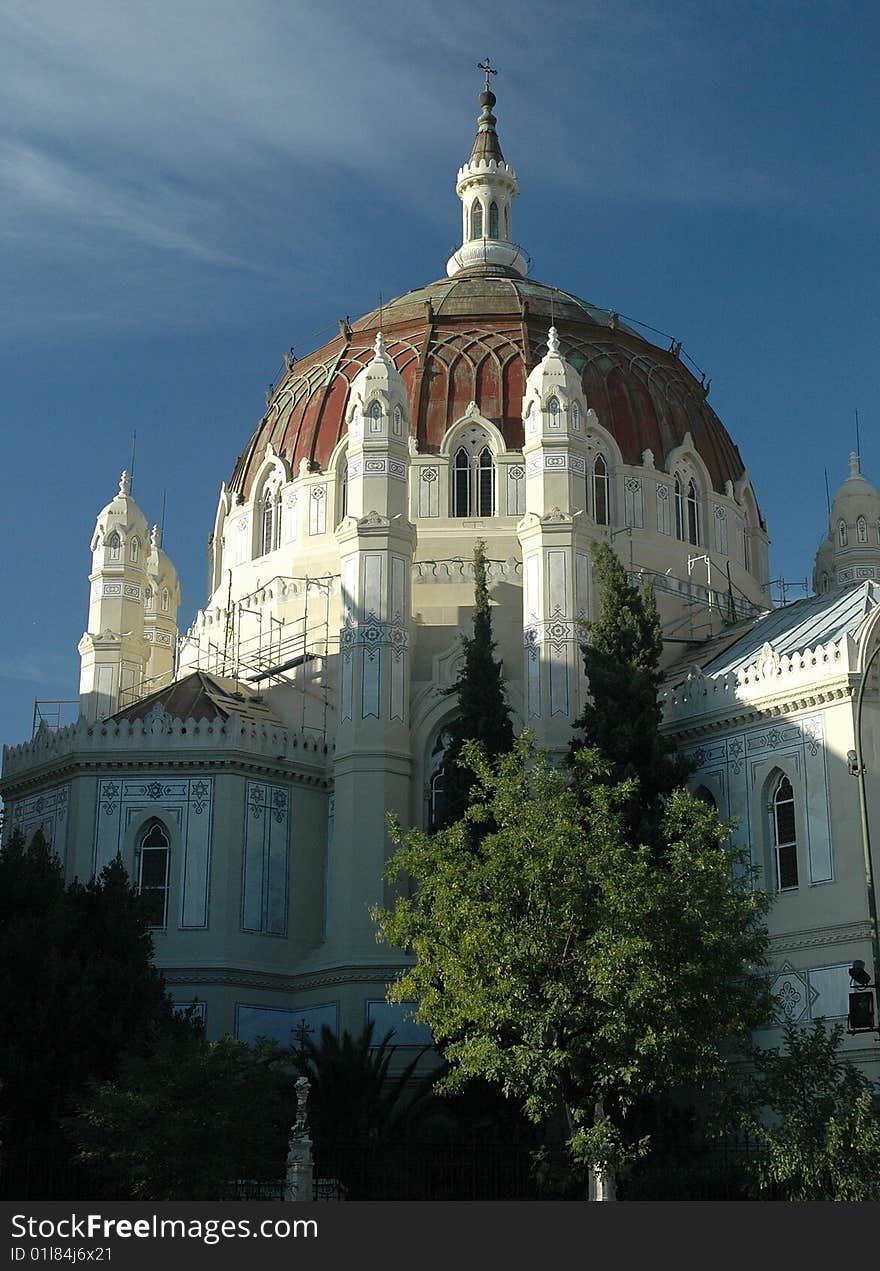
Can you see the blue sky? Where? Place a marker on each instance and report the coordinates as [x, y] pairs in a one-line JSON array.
[[187, 189]]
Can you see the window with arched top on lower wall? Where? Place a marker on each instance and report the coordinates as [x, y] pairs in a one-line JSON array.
[[473, 476], [154, 858], [114, 547], [706, 796], [783, 828], [436, 786], [476, 219]]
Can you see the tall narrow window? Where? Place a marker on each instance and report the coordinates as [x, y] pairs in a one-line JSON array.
[[166, 600], [134, 549], [267, 516], [693, 514], [343, 493], [842, 536], [493, 220], [554, 419], [784, 836], [477, 219], [862, 530], [485, 483], [148, 597], [461, 484], [375, 417], [600, 491], [153, 874], [679, 510], [115, 546]]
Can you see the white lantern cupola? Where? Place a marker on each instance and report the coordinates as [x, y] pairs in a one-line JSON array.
[[161, 601], [487, 186]]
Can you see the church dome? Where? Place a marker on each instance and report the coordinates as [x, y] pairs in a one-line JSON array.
[[475, 338]]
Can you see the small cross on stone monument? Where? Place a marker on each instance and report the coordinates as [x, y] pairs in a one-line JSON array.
[[300, 1035]]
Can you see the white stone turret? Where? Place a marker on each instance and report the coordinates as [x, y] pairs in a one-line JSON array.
[[851, 552], [555, 539], [161, 601], [376, 540], [378, 438], [486, 186], [113, 650]]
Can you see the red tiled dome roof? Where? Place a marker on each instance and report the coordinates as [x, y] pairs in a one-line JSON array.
[[475, 337]]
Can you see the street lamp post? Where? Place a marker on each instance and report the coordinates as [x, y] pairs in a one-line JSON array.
[[858, 770]]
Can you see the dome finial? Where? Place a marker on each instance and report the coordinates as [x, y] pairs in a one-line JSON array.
[[553, 341], [487, 146], [854, 465], [125, 483]]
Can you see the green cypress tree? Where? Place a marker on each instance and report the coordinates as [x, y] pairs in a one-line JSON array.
[[483, 713], [623, 716]]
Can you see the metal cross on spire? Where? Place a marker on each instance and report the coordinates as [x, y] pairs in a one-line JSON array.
[[489, 70]]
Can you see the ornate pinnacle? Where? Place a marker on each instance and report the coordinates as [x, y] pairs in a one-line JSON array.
[[125, 483], [553, 341]]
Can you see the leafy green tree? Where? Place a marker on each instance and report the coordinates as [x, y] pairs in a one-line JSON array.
[[560, 962], [78, 988], [815, 1117], [190, 1120], [483, 713], [623, 716]]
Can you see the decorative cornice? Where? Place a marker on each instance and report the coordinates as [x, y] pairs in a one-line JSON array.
[[816, 937], [236, 977]]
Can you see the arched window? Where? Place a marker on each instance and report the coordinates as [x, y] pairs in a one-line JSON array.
[[375, 416], [477, 219], [270, 519], [461, 483], [148, 597], [706, 796], [554, 418], [575, 417], [134, 549], [862, 530], [398, 421], [485, 483], [493, 220], [679, 510], [166, 601], [114, 547], [343, 490], [154, 851], [693, 514], [600, 491], [473, 476], [784, 836], [842, 536], [825, 583], [437, 781]]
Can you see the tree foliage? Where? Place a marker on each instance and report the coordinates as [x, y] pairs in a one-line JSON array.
[[483, 713], [191, 1120], [623, 716], [78, 987], [559, 960], [815, 1117]]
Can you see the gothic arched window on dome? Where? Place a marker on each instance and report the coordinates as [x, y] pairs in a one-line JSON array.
[[148, 597], [397, 421], [600, 492], [166, 600], [134, 550], [862, 530], [476, 219], [493, 220], [473, 476], [784, 836], [679, 510], [154, 851], [693, 514], [114, 547], [506, 221], [842, 536], [825, 584], [554, 418], [575, 413], [270, 520], [375, 417]]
